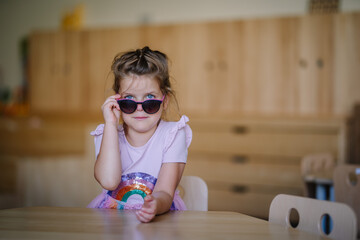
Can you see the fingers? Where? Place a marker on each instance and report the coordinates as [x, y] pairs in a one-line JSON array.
[[148, 199], [148, 211], [111, 102], [143, 216], [111, 109]]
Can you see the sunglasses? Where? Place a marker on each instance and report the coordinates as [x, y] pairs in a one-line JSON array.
[[150, 106]]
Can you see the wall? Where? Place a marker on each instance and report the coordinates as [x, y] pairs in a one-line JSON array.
[[18, 18]]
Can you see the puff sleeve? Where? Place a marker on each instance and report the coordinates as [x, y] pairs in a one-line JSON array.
[[178, 141], [98, 134]]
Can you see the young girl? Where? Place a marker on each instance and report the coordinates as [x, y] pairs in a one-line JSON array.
[[139, 163]]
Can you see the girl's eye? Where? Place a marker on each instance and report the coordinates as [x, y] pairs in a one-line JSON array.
[[129, 97], [150, 96]]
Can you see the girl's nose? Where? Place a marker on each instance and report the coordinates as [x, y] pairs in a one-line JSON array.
[[139, 107]]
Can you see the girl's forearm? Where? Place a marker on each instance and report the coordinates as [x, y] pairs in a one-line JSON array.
[[164, 201], [108, 164]]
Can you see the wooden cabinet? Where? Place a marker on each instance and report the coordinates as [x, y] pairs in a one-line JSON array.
[[279, 66], [55, 72], [246, 162]]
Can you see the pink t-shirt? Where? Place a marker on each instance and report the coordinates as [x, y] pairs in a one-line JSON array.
[[169, 143], [141, 165]]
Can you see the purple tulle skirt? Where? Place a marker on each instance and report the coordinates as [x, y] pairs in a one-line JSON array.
[[130, 194], [103, 200]]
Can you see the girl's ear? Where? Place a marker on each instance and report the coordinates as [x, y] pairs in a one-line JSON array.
[[166, 101]]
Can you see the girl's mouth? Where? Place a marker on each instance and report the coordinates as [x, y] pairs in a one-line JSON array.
[[140, 118]]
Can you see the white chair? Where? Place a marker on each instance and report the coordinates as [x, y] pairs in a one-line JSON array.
[[316, 168], [194, 192], [310, 215], [347, 187]]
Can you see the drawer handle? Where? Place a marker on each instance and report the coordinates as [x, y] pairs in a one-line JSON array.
[[239, 189], [239, 159], [239, 130]]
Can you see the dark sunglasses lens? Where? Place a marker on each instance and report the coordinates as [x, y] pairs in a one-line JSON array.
[[151, 106], [127, 106]]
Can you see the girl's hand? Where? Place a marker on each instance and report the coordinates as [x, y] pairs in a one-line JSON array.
[[148, 210], [111, 109]]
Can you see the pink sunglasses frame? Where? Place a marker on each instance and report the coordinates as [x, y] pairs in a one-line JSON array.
[[137, 103]]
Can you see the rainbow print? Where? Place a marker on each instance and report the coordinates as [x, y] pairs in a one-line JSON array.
[[131, 191]]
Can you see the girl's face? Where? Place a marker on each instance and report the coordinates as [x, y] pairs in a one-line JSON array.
[[141, 88]]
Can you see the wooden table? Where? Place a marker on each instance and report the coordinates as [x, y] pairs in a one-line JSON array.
[[83, 223]]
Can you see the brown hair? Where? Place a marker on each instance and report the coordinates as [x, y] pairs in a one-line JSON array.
[[143, 62]]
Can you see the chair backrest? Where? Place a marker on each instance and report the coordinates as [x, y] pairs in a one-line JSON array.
[[347, 187], [194, 192], [317, 164], [311, 213], [314, 167]]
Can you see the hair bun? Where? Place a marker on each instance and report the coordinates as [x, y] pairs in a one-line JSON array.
[[145, 49]]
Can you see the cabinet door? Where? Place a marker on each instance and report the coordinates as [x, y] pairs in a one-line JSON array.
[[55, 75], [43, 85], [265, 65], [101, 46], [347, 58], [204, 67], [315, 75]]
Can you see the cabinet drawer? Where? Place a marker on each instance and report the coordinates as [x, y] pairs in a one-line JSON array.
[[23, 137], [228, 170], [254, 204], [280, 144], [273, 138]]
